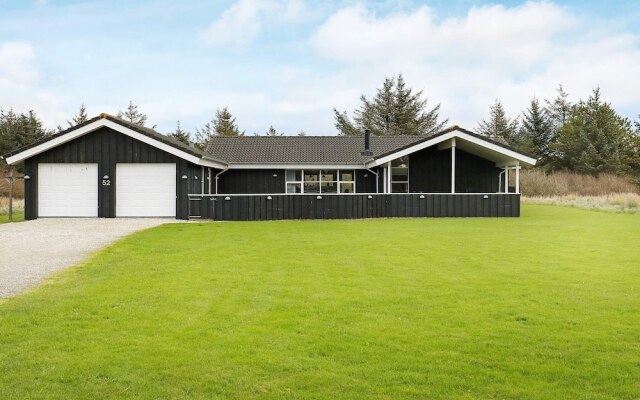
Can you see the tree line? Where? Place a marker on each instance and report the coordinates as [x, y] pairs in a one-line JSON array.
[[586, 137]]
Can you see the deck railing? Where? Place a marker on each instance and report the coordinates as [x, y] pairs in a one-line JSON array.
[[257, 207]]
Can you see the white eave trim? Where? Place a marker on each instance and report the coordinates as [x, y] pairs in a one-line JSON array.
[[448, 136], [103, 122], [296, 166]]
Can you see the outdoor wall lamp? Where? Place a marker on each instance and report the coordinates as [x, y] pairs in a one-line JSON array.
[[422, 196], [227, 198], [104, 177], [268, 197], [27, 177], [369, 197], [319, 197], [185, 177]]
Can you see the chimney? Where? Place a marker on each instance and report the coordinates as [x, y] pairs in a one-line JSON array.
[[367, 143]]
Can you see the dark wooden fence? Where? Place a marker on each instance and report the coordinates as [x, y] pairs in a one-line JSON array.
[[306, 206]]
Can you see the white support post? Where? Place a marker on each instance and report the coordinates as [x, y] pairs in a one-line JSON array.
[[518, 179], [389, 174], [453, 165], [384, 179], [506, 179]]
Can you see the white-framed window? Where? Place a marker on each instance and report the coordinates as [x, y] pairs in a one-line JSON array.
[[320, 181], [400, 175]]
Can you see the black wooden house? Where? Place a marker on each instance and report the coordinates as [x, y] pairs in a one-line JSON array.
[[107, 167]]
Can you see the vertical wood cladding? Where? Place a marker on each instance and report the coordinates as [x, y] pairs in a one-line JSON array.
[[262, 181], [252, 181], [300, 206], [107, 147], [430, 172]]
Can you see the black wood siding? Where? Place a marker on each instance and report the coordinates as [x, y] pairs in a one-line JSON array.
[[430, 172], [107, 147], [261, 181], [300, 206], [252, 181]]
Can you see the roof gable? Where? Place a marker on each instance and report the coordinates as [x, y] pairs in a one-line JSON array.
[[469, 141], [145, 135]]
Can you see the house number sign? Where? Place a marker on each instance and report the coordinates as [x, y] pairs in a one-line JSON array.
[[106, 182]]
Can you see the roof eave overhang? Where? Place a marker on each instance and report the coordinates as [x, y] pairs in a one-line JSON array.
[[105, 122], [516, 158], [295, 166]]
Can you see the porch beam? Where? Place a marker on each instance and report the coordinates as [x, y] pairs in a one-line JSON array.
[[453, 165], [389, 188], [517, 168], [506, 179]]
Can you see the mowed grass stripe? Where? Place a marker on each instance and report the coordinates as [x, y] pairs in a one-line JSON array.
[[545, 306]]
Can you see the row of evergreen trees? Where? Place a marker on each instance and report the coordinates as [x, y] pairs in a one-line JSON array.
[[587, 137]]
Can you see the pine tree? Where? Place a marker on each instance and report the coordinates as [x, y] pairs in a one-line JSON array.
[[19, 130], [536, 132], [394, 110], [180, 134], [272, 132], [596, 139], [131, 114], [223, 124], [559, 109], [499, 126], [79, 118]]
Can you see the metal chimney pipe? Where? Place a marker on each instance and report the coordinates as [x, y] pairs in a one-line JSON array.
[[367, 143]]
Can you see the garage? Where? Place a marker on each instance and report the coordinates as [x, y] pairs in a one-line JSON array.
[[145, 190], [67, 190], [107, 167]]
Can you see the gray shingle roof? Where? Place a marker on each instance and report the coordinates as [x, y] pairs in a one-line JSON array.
[[302, 149]]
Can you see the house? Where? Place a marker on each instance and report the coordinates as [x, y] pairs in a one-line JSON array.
[[107, 167]]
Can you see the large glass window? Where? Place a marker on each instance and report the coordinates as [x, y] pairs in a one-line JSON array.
[[400, 175], [320, 181]]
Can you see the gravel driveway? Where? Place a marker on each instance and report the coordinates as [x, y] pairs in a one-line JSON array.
[[32, 250]]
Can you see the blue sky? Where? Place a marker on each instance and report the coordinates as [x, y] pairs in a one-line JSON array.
[[288, 63]]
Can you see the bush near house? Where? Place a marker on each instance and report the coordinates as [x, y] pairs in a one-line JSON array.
[[537, 183]]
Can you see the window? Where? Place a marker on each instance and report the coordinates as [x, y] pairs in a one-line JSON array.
[[294, 181], [320, 181], [400, 175]]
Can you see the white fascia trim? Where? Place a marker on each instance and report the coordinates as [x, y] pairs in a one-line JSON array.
[[428, 143], [211, 163], [74, 134], [296, 166]]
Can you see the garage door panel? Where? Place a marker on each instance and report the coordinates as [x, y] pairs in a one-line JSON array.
[[67, 190], [145, 190]]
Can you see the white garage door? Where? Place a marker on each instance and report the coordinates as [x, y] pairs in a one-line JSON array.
[[145, 190], [68, 190]]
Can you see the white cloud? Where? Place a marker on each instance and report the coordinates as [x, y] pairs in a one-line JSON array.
[[509, 53], [242, 21], [17, 64]]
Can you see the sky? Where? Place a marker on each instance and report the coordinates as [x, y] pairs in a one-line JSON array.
[[289, 63]]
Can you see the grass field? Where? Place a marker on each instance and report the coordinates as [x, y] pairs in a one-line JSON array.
[[18, 210], [546, 306], [17, 217]]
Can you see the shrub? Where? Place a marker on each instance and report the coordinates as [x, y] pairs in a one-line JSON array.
[[535, 183]]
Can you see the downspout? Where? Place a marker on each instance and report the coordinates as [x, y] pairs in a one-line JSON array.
[[218, 174], [376, 174], [500, 181]]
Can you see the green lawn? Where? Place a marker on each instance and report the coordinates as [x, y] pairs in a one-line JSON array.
[[546, 306], [17, 216]]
